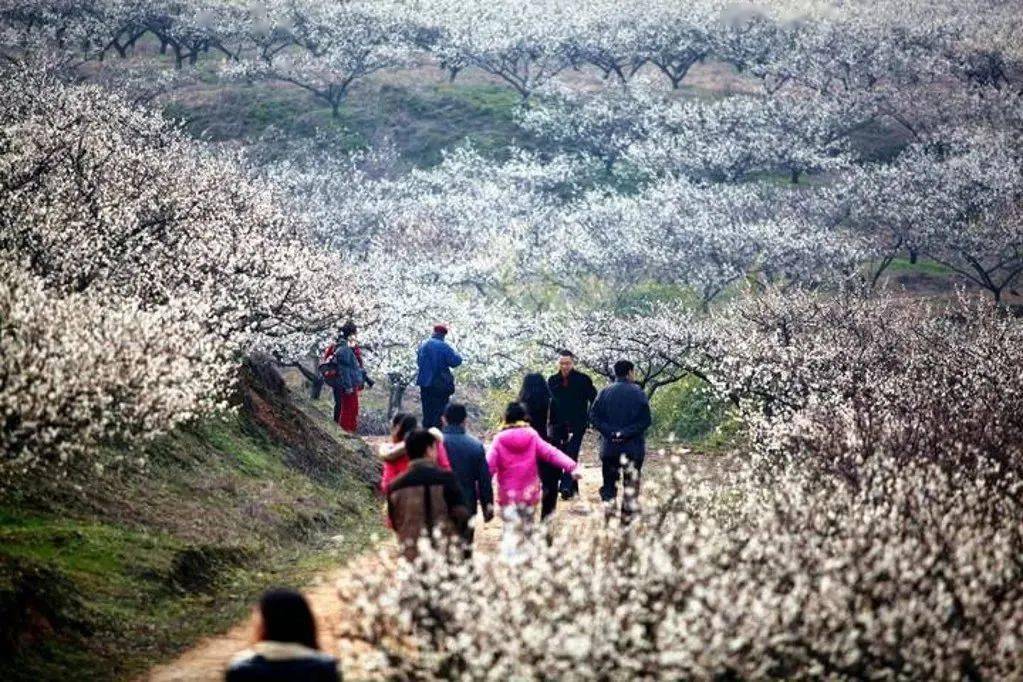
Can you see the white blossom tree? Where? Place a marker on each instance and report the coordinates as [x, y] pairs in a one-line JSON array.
[[77, 371], [323, 48], [521, 43]]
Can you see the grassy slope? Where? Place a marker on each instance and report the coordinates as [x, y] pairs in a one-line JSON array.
[[422, 119], [138, 565]]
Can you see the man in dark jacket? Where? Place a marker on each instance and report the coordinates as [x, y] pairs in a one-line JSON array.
[[621, 414], [468, 460], [436, 383], [572, 394], [425, 499]]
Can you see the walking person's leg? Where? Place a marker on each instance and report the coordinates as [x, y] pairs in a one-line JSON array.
[[432, 407], [349, 418], [611, 468], [549, 478], [510, 533], [571, 447], [630, 488], [469, 539], [527, 514], [339, 395]]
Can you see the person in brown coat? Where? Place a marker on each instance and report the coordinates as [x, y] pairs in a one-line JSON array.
[[426, 499]]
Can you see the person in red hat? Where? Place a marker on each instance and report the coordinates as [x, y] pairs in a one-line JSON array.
[[435, 359]]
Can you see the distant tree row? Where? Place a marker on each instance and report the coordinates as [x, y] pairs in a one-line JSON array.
[[862, 50]]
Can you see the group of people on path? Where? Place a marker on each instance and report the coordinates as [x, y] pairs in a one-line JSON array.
[[437, 479]]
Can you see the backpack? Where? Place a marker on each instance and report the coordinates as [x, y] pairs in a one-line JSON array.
[[330, 371]]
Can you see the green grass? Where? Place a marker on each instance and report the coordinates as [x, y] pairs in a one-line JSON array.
[[251, 455], [689, 412], [124, 607], [923, 266], [421, 120]]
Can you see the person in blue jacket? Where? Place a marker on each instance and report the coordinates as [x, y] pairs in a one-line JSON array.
[[436, 383], [468, 460], [621, 414]]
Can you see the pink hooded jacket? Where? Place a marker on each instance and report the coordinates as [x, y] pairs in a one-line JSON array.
[[512, 459]]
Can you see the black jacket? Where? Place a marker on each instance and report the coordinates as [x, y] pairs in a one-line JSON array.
[[571, 399], [282, 662], [468, 460], [621, 414]]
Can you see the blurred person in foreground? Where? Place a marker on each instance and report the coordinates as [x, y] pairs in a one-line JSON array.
[[286, 648]]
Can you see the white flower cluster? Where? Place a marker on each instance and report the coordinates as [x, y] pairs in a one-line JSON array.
[[77, 370], [154, 261]]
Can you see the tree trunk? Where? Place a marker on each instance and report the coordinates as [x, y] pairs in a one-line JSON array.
[[396, 397]]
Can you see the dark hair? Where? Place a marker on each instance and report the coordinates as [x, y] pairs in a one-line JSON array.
[[348, 330], [622, 368], [405, 422], [534, 387], [455, 414], [285, 617], [418, 442], [566, 353], [515, 412], [536, 398]]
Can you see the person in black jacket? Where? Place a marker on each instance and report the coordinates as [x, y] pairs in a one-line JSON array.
[[536, 398], [468, 460], [621, 414], [572, 394], [287, 649]]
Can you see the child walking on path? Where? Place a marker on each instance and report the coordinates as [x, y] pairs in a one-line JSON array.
[[513, 458]]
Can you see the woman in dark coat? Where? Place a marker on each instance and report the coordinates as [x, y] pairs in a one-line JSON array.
[[286, 649], [536, 398]]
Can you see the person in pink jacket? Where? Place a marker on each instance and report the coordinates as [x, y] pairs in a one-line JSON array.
[[512, 459]]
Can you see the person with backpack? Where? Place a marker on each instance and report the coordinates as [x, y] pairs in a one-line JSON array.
[[621, 414], [468, 460], [435, 360], [513, 460], [572, 394], [426, 500], [286, 648], [342, 369]]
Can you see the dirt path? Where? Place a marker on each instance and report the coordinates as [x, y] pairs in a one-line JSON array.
[[208, 659]]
